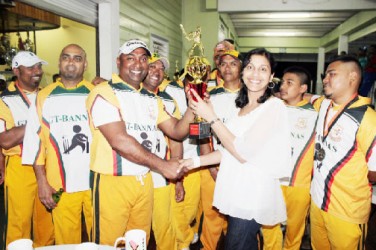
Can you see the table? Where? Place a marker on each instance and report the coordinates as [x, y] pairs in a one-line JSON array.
[[72, 247]]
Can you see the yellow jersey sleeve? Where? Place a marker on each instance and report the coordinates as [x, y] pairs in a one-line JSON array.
[[162, 113]]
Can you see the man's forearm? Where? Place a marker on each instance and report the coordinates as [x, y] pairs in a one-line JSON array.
[[40, 173], [12, 137], [130, 149], [181, 129], [176, 149]]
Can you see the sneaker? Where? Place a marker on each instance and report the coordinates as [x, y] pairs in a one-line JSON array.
[[195, 238], [185, 248]]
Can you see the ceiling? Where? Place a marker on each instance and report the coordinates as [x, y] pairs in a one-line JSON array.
[[302, 24], [272, 20], [299, 19]]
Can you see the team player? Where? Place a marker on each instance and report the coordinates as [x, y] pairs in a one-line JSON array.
[[164, 233], [296, 188], [345, 160], [59, 126], [124, 120], [215, 78], [184, 213], [25, 214], [223, 100]]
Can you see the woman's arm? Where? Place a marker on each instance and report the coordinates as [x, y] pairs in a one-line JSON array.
[[205, 110], [204, 160]]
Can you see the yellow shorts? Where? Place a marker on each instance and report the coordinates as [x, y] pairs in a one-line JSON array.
[[330, 232], [121, 203]]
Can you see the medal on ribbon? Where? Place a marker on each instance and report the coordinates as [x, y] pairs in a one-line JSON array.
[[320, 152]]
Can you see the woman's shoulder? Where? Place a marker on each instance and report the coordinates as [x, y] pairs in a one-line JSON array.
[[275, 101]]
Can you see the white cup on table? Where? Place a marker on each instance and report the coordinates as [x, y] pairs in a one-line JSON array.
[[133, 239], [21, 244]]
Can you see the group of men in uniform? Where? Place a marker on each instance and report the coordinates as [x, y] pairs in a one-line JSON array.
[[99, 143]]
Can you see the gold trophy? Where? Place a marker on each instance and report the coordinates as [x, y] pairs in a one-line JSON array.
[[197, 67]]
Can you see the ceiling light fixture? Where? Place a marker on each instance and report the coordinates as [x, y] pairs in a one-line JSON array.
[[280, 33], [289, 15]]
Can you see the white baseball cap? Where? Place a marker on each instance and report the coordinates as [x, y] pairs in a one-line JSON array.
[[27, 59], [131, 45], [2, 77]]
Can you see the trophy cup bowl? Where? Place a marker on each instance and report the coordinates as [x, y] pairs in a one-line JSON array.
[[198, 69]]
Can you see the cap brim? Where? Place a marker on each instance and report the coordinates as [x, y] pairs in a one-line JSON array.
[[163, 60]]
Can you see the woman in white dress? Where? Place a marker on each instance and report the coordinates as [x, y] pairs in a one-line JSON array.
[[255, 155]]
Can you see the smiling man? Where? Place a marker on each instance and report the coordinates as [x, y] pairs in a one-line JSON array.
[[60, 127], [20, 183], [124, 120], [162, 220]]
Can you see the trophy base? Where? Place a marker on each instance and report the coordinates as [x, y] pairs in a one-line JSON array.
[[199, 130]]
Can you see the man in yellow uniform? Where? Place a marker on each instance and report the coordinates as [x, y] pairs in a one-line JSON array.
[[302, 118], [215, 78], [124, 120], [184, 213], [345, 160], [22, 205], [60, 127], [164, 232]]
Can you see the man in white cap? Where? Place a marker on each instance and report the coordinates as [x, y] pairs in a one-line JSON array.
[[22, 203], [124, 121]]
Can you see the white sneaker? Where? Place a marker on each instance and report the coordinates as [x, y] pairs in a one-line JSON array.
[[195, 238], [185, 248]]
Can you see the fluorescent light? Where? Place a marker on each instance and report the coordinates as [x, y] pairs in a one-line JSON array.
[[289, 15], [280, 33]]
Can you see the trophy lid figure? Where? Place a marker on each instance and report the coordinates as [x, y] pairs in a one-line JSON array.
[[194, 36], [197, 66]]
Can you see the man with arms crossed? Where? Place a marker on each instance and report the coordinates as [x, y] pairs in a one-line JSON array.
[[22, 203]]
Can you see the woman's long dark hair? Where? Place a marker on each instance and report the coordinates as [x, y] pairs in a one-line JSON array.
[[242, 99]]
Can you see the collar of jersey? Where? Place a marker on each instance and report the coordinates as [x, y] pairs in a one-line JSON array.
[[63, 86], [230, 90], [116, 79]]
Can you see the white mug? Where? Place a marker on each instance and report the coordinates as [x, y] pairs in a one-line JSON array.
[[87, 246], [21, 244], [134, 240]]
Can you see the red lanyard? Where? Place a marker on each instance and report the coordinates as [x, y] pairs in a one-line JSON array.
[[326, 129], [22, 93]]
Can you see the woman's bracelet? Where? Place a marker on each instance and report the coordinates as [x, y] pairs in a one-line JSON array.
[[214, 121], [196, 161]]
